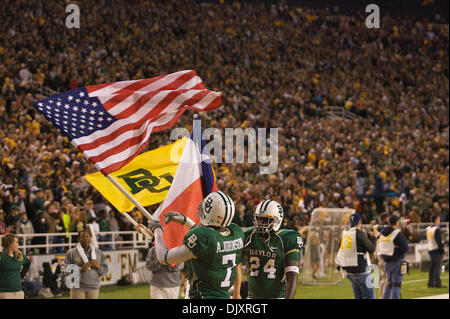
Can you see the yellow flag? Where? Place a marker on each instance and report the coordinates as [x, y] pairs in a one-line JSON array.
[[147, 177]]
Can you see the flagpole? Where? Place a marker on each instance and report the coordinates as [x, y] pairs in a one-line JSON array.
[[131, 220], [139, 206], [197, 139], [131, 198]]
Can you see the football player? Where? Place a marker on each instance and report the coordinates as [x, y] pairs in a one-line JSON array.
[[213, 250], [273, 253]]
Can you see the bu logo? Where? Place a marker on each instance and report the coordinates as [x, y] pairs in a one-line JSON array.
[[299, 242], [208, 206], [141, 179], [192, 240]]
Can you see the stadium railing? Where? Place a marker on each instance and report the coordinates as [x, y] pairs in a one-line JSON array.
[[339, 111], [44, 90], [445, 133], [52, 241], [113, 240]]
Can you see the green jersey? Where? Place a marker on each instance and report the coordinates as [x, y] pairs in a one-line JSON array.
[[216, 257], [10, 280], [267, 261]]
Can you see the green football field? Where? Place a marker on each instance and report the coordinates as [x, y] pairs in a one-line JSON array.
[[414, 286]]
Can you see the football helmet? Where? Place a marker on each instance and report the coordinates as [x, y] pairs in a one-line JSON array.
[[268, 216], [216, 209]]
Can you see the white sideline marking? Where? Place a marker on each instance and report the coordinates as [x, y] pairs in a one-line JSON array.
[[443, 296], [419, 280]]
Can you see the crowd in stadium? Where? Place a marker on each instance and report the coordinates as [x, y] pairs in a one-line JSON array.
[[277, 66]]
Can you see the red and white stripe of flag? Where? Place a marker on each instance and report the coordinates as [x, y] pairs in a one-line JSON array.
[[142, 107]]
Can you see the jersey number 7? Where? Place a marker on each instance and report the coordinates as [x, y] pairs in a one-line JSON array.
[[225, 260]]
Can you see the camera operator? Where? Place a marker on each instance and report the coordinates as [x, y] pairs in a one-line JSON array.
[[392, 246], [351, 257], [436, 252]]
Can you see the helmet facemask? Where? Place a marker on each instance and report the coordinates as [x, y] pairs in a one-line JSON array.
[[268, 216], [264, 223]]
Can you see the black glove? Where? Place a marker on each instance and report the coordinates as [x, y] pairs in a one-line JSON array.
[[154, 224], [175, 217]]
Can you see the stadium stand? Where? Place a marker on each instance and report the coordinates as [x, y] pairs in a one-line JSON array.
[[277, 66]]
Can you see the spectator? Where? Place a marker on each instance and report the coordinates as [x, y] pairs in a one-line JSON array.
[[361, 175], [13, 217], [113, 226], [103, 227], [13, 268], [3, 228], [315, 253], [25, 75], [32, 281], [60, 228], [41, 226], [24, 226], [38, 201], [51, 275], [397, 131], [65, 217], [79, 220], [90, 212], [91, 262]]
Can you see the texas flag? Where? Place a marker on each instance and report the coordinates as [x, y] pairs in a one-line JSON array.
[[193, 181]]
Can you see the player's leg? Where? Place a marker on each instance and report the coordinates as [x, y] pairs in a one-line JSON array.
[[172, 292], [164, 292], [76, 293], [156, 292], [92, 293]]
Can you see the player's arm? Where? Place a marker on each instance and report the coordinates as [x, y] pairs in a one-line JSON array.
[[292, 270], [292, 263], [165, 256], [237, 283]]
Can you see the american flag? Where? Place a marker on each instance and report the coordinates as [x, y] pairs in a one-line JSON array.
[[111, 123]]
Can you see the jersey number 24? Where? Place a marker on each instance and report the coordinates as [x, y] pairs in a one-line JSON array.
[[268, 268]]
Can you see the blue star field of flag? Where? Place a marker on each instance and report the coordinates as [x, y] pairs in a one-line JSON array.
[[74, 113]]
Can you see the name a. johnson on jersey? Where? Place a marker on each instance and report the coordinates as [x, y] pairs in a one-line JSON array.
[[230, 245], [260, 252]]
